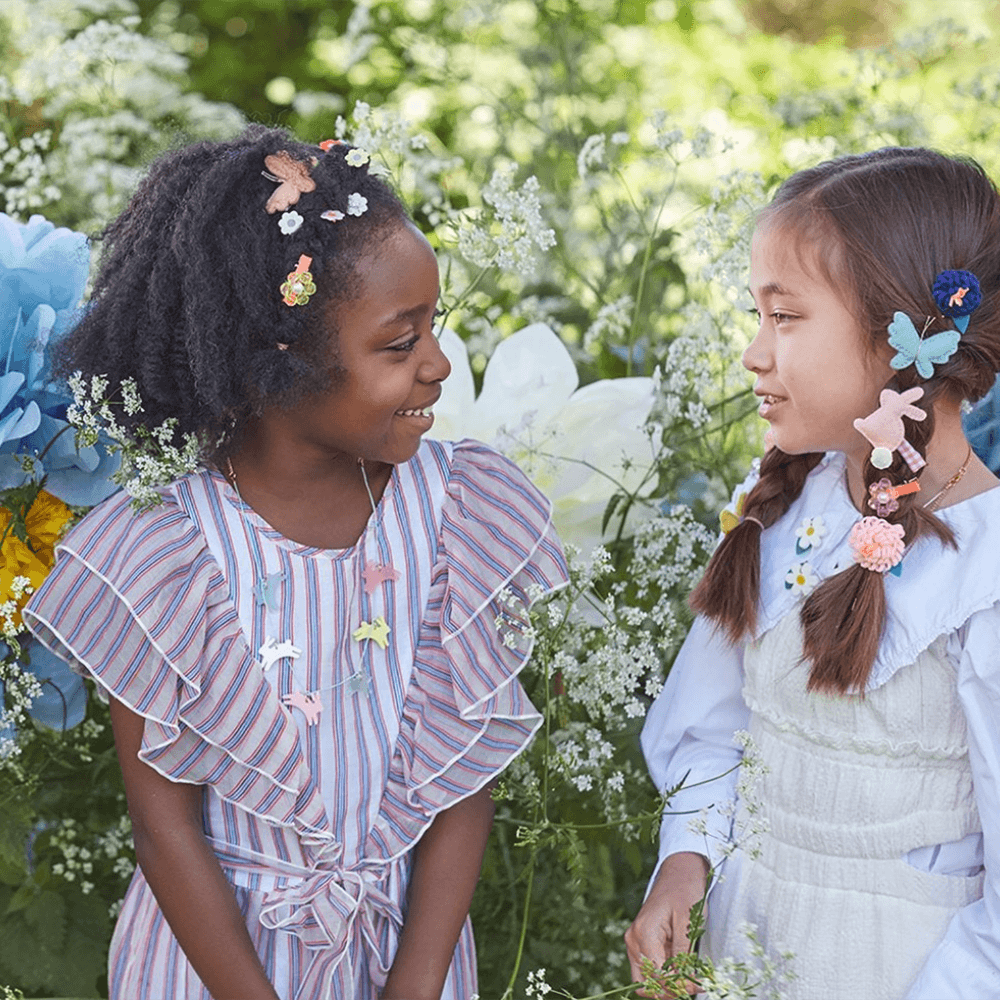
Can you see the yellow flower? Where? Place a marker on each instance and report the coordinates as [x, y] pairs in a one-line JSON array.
[[46, 521]]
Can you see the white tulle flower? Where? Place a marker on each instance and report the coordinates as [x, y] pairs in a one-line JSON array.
[[578, 445]]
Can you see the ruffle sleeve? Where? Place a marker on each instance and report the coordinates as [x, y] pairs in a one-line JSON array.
[[466, 715], [137, 602]]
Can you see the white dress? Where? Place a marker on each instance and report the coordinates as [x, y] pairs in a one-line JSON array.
[[878, 870]]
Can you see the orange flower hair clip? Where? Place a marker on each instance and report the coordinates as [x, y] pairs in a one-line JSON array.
[[299, 286]]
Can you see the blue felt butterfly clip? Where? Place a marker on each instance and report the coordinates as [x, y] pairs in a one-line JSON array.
[[924, 352]]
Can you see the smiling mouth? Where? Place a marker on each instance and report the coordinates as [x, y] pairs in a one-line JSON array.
[[424, 413], [767, 403]]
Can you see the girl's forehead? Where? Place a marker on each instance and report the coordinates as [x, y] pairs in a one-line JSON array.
[[783, 257]]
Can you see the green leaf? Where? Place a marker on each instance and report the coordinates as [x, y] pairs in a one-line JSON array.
[[21, 898], [610, 510]]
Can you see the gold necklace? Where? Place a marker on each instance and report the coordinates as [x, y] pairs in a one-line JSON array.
[[932, 504]]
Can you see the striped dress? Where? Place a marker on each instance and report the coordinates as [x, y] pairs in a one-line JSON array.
[[326, 745]]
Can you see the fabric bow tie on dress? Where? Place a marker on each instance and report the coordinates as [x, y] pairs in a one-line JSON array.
[[326, 906], [324, 911]]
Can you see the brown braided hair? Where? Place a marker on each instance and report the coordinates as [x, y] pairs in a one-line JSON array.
[[892, 220]]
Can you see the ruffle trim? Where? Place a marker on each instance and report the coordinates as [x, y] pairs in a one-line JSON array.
[[138, 603], [466, 714]]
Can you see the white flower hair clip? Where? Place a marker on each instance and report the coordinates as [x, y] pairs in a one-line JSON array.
[[357, 204], [356, 157], [290, 222]]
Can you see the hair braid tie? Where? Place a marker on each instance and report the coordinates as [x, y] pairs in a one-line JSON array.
[[754, 520]]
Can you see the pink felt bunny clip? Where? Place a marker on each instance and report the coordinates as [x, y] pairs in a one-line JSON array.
[[884, 428]]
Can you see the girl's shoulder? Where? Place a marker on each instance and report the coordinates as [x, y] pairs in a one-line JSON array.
[[116, 523]]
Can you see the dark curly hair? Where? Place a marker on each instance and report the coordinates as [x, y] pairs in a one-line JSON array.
[[880, 226], [186, 300]]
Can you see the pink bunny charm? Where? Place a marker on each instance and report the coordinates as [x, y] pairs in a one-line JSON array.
[[884, 428], [308, 704]]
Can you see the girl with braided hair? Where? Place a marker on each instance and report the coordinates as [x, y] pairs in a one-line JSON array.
[[311, 644], [850, 620]]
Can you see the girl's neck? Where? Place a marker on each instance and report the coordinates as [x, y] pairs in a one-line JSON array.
[[311, 495], [947, 451]]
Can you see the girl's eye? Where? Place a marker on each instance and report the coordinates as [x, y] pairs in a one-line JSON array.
[[407, 345], [780, 318]]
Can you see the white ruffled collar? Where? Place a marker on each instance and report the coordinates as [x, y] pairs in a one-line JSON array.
[[936, 591]]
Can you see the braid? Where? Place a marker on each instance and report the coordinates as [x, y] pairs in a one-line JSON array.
[[729, 592], [844, 617]]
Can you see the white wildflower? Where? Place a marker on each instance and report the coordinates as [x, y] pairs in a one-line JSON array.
[[591, 154]]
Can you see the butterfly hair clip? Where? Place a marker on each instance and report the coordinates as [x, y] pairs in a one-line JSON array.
[[917, 349], [884, 428], [292, 177]]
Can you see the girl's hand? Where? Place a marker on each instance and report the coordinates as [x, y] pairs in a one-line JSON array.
[[660, 930]]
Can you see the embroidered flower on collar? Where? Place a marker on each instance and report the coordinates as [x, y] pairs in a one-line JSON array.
[[801, 579], [356, 157], [357, 204], [809, 534], [290, 222], [332, 215]]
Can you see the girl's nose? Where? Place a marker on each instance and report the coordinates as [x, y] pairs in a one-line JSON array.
[[756, 358], [436, 366]]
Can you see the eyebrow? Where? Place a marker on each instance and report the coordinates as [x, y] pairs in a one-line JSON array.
[[772, 288], [414, 312]]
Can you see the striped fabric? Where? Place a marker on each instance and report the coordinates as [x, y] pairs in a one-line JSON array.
[[172, 612]]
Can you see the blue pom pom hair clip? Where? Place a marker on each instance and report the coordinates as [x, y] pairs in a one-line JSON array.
[[957, 294]]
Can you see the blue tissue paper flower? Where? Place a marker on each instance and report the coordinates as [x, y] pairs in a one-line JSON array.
[[63, 701], [43, 271], [982, 428]]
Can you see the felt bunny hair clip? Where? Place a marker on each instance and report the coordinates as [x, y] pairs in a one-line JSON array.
[[884, 428]]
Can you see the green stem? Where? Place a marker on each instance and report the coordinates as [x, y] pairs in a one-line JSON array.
[[467, 291], [509, 992]]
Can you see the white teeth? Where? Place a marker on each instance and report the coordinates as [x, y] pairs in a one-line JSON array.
[[425, 412]]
